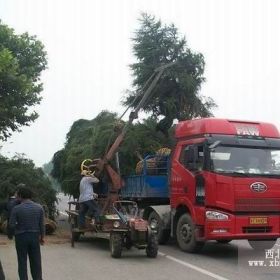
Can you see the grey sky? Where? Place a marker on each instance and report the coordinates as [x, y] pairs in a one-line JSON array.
[[89, 50]]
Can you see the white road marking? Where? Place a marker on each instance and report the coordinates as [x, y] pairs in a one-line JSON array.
[[194, 267]]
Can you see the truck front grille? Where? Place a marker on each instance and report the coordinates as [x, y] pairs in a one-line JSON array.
[[256, 229], [257, 204]]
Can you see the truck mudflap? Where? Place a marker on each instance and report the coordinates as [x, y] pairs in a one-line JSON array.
[[163, 211], [159, 219], [243, 227]]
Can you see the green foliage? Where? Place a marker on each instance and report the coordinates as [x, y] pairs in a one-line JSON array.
[[22, 59], [21, 170], [86, 139], [176, 96], [91, 139]]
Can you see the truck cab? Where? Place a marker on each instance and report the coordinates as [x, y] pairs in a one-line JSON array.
[[225, 182]]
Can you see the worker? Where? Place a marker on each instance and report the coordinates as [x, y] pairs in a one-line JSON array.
[[87, 198], [27, 223]]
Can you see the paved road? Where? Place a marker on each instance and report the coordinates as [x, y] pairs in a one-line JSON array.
[[217, 261], [90, 259]]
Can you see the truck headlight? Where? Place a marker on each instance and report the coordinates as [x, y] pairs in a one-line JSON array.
[[214, 215], [116, 224]]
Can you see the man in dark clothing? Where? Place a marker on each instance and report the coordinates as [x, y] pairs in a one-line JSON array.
[[11, 203], [2, 276], [27, 221]]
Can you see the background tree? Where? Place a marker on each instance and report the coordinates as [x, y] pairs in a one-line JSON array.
[[22, 59], [90, 139], [176, 96], [21, 170]]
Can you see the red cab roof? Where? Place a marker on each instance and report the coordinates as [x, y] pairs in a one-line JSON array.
[[224, 126]]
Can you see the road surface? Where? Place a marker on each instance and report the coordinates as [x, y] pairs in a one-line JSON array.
[[90, 259]]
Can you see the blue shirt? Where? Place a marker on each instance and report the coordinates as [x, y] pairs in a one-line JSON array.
[[27, 217]]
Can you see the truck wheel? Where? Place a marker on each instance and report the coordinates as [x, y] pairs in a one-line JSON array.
[[116, 245], [162, 234], [185, 233], [262, 244], [152, 247]]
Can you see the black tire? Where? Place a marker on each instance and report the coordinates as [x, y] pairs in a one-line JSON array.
[[224, 241], [185, 235], [162, 234], [152, 247], [116, 244], [262, 244]]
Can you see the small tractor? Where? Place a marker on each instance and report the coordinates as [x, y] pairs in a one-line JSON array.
[[123, 227]]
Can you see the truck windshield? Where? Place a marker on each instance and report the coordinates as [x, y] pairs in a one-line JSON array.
[[245, 160]]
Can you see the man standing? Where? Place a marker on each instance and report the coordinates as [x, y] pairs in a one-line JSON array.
[[86, 199], [27, 220]]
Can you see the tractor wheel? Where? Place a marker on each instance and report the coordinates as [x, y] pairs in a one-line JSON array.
[[260, 245], [224, 241], [116, 240], [152, 247], [162, 234], [185, 234]]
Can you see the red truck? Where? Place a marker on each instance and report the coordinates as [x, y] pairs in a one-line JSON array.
[[222, 183]]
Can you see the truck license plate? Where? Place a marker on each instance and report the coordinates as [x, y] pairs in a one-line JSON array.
[[258, 220]]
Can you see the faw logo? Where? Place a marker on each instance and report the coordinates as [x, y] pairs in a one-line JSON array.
[[247, 129], [258, 187]]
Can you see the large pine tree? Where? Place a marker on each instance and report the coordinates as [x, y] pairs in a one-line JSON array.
[[176, 96]]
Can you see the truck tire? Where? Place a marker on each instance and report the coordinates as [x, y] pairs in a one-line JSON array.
[[185, 234], [162, 234], [259, 245], [116, 244], [152, 247]]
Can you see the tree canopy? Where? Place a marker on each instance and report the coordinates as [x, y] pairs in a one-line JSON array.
[[90, 139], [22, 59], [176, 96], [21, 170]]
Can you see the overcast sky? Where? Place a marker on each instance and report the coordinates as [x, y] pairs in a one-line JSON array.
[[89, 49]]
